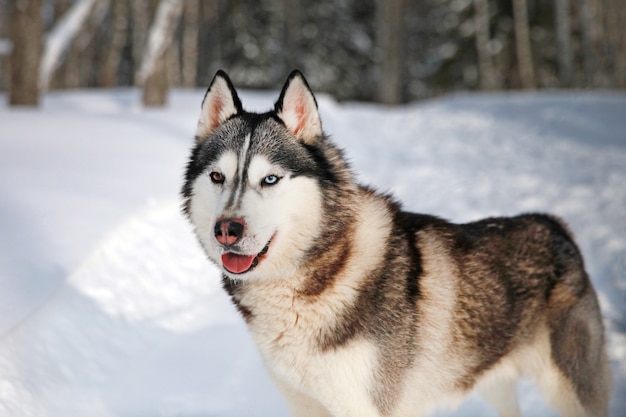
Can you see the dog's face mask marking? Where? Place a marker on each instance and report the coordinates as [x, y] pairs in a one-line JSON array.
[[255, 210]]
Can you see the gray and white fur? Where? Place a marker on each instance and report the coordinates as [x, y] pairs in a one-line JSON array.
[[360, 308]]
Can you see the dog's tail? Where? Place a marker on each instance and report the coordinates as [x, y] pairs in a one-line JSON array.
[[577, 336]]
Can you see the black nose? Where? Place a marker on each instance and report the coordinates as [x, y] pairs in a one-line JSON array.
[[229, 231]]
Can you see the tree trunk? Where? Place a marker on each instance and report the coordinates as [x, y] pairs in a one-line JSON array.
[[619, 70], [69, 69], [614, 60], [141, 14], [563, 42], [173, 64], [486, 71], [601, 44], [60, 8], [113, 55], [589, 39], [81, 62], [26, 34], [390, 37], [152, 74], [55, 78], [5, 45], [292, 34], [154, 92], [190, 42], [211, 39], [523, 47]]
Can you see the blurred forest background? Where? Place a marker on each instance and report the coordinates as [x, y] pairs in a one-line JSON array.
[[389, 51]]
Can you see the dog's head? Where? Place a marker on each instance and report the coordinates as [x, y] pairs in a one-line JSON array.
[[253, 186]]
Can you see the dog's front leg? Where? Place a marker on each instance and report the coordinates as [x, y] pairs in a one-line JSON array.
[[302, 405], [503, 397]]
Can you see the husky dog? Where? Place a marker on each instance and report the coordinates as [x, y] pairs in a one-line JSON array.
[[362, 309]]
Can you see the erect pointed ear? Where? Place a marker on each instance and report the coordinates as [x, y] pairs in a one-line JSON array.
[[297, 108], [220, 103]]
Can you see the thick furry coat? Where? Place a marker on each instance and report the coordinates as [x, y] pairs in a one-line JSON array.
[[360, 308]]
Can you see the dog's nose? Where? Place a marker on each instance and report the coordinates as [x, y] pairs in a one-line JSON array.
[[229, 231]]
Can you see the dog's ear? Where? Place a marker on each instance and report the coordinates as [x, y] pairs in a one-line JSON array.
[[220, 103], [297, 108]]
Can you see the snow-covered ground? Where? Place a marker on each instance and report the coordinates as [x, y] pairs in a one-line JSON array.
[[108, 308]]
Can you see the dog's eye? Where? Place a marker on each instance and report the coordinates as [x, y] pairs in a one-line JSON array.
[[270, 180], [217, 177]]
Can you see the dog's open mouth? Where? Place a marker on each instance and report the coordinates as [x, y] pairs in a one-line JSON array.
[[236, 263]]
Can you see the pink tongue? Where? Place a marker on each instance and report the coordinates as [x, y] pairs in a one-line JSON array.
[[237, 263]]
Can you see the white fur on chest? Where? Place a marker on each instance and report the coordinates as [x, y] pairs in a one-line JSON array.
[[287, 327], [331, 377]]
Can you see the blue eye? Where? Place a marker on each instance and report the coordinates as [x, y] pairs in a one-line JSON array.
[[270, 180]]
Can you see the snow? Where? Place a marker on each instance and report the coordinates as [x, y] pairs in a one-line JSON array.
[[109, 308]]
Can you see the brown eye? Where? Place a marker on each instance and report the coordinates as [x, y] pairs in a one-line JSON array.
[[217, 177]]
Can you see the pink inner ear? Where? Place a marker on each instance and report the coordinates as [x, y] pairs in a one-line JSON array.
[[299, 110], [216, 108]]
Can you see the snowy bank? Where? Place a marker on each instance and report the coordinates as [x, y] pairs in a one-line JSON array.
[[109, 308]]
